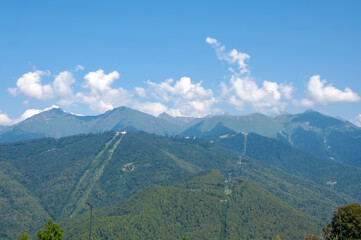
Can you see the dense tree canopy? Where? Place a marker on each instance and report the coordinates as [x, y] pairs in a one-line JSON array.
[[350, 225]]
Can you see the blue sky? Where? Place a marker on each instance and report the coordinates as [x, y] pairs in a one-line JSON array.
[[190, 58]]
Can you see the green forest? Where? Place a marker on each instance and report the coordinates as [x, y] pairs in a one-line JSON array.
[[141, 184]]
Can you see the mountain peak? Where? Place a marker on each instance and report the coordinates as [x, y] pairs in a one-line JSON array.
[[164, 115]]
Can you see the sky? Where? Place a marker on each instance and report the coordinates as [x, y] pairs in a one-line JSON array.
[[185, 58]]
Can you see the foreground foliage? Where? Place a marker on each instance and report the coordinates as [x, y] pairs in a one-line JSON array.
[[350, 225], [51, 232]]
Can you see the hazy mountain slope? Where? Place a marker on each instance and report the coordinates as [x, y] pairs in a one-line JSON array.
[[256, 122], [57, 123], [198, 209], [319, 134], [323, 136], [2, 127], [316, 133], [180, 121], [297, 162]]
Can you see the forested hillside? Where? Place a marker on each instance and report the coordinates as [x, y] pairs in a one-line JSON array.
[[198, 208], [297, 162], [59, 176]]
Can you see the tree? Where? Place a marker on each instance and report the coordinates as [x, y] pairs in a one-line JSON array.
[[350, 225], [51, 232], [24, 236], [278, 237]]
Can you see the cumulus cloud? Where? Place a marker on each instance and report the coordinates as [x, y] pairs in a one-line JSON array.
[[100, 95], [96, 90], [30, 85], [186, 98], [270, 96], [62, 87], [153, 108], [4, 119], [242, 90], [320, 93], [233, 56]]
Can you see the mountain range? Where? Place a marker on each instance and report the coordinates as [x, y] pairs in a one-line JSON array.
[[311, 131]]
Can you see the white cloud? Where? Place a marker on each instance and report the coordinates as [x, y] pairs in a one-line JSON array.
[[30, 85], [234, 56], [79, 67], [211, 40], [153, 108], [31, 112], [141, 92], [101, 96], [320, 93], [4, 119], [242, 90], [186, 98], [100, 82], [269, 97], [62, 87]]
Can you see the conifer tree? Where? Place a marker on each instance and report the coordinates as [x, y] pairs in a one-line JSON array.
[[51, 232]]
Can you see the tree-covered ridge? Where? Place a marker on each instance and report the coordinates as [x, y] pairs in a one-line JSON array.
[[197, 208], [297, 162], [102, 168]]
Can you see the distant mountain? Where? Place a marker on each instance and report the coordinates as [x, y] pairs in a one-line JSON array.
[[316, 133], [2, 127], [57, 123], [224, 124], [201, 207], [323, 136], [311, 131], [176, 120]]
